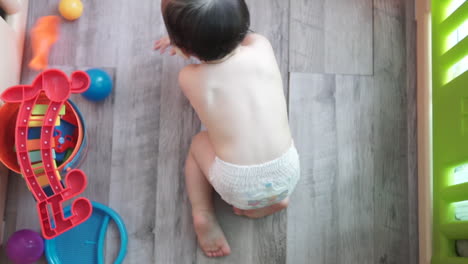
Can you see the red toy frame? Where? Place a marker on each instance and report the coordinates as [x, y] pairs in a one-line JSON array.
[[57, 88]]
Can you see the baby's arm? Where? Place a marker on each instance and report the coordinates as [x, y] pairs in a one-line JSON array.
[[163, 44], [188, 81]]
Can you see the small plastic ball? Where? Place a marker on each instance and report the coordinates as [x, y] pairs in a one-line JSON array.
[[25, 247], [71, 9], [100, 87]]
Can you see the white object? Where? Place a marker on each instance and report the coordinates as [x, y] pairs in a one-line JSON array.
[[12, 32], [256, 186], [423, 17], [10, 6]]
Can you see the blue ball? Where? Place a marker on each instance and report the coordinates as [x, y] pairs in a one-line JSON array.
[[100, 87]]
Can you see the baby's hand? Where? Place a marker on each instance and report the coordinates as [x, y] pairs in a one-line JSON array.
[[163, 44]]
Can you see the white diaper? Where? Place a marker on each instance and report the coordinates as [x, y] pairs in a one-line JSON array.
[[256, 186]]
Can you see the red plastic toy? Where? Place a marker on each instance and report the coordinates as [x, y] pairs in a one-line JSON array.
[[57, 88], [63, 143]]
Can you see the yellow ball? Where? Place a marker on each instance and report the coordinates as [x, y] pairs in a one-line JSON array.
[[71, 9]]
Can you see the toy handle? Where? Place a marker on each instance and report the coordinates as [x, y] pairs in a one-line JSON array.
[[111, 214]]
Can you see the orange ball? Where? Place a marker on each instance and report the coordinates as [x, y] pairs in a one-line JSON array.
[[71, 9]]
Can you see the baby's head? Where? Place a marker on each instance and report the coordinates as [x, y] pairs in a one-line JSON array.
[[206, 29]]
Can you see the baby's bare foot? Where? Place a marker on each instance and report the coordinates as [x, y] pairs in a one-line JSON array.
[[210, 236]]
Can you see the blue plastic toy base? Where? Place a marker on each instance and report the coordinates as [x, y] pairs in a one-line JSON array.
[[85, 243]]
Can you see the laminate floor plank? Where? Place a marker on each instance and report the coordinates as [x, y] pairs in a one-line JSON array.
[[334, 37]]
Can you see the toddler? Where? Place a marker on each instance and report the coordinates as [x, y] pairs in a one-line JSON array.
[[247, 154]]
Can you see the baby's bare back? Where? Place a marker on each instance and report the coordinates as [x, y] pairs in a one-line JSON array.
[[242, 104]]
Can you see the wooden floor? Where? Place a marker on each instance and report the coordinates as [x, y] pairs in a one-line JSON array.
[[349, 73]]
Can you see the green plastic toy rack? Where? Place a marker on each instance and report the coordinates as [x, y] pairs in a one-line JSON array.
[[450, 125]]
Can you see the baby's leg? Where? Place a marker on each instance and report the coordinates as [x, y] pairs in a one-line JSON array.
[[200, 158]]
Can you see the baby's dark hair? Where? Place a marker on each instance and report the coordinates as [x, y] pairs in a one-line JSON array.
[[207, 29]]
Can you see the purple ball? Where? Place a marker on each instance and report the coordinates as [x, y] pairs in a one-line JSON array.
[[25, 247]]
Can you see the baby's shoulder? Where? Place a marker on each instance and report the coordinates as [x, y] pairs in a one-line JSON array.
[[189, 69], [188, 75]]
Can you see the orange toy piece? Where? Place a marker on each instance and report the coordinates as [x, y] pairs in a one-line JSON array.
[[44, 34]]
